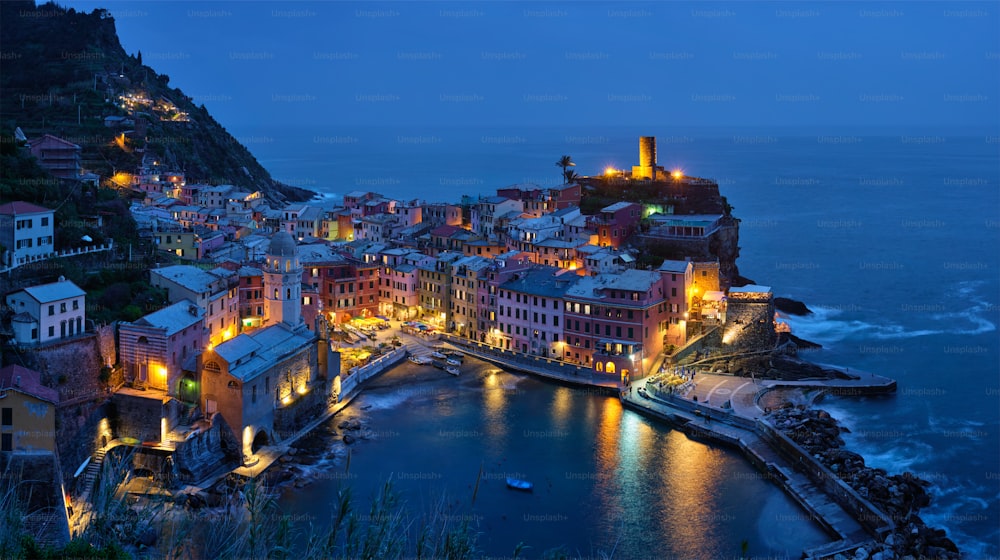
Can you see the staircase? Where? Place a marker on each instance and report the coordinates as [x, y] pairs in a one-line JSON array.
[[90, 476]]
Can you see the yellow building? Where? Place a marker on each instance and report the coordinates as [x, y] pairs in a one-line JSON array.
[[27, 412]]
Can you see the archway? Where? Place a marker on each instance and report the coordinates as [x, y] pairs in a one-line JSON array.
[[188, 390], [610, 367], [260, 440]]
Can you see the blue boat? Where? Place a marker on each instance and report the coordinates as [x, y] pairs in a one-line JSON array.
[[518, 484]]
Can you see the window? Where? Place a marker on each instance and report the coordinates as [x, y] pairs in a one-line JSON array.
[[253, 394], [52, 331], [7, 442], [8, 417], [76, 304]]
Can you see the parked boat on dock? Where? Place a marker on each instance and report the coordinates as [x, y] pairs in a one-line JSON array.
[[452, 370]]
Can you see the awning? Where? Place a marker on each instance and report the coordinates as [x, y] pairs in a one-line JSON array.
[[713, 296]]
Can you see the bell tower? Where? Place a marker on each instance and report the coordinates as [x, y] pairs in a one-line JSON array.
[[283, 282]]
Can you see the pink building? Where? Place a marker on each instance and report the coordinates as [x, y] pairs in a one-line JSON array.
[[614, 224], [677, 282], [530, 311], [155, 349], [616, 323], [59, 157], [399, 282]]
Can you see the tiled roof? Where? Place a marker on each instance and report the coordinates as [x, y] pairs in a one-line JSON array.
[[21, 207], [27, 381]]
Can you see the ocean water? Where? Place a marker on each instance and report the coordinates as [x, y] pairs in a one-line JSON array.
[[890, 236]]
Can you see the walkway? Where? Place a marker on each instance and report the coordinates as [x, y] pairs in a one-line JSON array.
[[817, 503]]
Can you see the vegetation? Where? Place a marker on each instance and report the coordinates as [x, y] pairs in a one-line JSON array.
[[250, 525], [63, 76], [566, 162]]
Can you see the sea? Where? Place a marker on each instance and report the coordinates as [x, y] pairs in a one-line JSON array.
[[889, 235]]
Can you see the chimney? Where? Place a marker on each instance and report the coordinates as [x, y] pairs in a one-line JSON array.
[[17, 380]]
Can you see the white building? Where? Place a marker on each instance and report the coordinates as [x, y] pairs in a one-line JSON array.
[[26, 233], [48, 312]]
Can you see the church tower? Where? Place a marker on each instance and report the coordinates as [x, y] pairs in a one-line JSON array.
[[283, 282]]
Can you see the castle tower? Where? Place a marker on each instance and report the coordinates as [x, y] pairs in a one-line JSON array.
[[283, 282], [647, 159]]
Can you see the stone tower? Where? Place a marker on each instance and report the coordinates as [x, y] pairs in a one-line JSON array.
[[283, 282], [647, 159]]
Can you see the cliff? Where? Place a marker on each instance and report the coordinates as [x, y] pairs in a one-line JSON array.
[[64, 72]]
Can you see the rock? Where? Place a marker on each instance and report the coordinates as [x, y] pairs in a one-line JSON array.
[[890, 540], [791, 306], [349, 439], [284, 459], [292, 451], [180, 499], [147, 537], [861, 554]]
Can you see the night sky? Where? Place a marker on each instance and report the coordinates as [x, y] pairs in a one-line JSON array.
[[575, 63]]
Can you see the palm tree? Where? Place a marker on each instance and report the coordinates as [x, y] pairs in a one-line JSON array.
[[570, 176], [564, 162]]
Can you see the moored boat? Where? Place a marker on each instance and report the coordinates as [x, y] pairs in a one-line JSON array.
[[518, 484], [452, 370]]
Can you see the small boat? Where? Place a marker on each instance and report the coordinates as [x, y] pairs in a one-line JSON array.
[[438, 355], [518, 484], [452, 370], [453, 362], [420, 360]]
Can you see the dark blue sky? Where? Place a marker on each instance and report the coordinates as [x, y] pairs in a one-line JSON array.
[[587, 63]]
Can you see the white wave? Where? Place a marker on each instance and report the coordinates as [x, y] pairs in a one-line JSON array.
[[955, 505], [824, 326], [371, 400]]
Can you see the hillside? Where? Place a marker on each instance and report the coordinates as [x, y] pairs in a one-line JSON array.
[[62, 72]]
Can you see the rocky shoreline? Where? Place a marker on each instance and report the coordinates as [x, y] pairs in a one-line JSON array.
[[899, 496]]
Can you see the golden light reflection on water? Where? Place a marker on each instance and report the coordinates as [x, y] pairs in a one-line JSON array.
[[689, 491], [495, 404], [608, 434], [562, 402]]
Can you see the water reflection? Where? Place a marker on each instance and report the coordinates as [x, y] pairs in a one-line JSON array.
[[690, 483], [495, 407]]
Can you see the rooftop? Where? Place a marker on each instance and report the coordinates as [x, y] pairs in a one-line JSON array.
[[618, 206], [56, 291], [674, 266], [248, 355], [27, 381], [174, 318], [541, 281], [21, 207], [188, 277]]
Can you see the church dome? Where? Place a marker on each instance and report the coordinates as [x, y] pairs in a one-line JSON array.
[[282, 245]]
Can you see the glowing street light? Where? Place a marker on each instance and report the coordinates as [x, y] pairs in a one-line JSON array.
[[677, 174]]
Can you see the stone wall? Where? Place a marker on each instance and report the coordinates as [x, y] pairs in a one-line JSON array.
[[749, 324], [137, 417], [80, 429], [300, 412], [71, 367]]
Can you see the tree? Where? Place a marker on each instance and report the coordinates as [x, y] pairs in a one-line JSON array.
[[565, 162], [570, 176]]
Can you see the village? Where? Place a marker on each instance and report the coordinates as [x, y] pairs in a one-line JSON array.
[[271, 318]]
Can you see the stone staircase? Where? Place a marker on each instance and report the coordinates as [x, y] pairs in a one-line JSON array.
[[90, 476]]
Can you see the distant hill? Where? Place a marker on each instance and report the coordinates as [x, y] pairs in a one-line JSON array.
[[62, 72]]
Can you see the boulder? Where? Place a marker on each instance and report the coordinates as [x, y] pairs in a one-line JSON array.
[[349, 439]]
